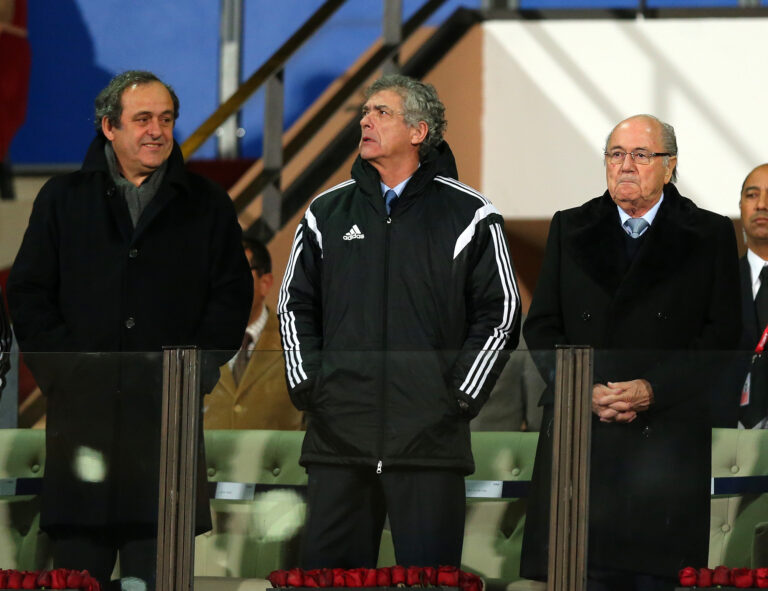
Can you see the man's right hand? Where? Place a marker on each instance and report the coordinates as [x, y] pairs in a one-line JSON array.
[[610, 410]]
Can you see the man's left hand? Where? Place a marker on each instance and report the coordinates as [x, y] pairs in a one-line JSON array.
[[637, 395]]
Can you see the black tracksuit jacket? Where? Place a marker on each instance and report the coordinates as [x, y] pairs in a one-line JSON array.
[[395, 327]]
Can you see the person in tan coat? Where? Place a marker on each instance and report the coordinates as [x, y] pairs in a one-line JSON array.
[[251, 392]]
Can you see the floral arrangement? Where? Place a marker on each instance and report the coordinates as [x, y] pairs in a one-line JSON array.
[[722, 576], [390, 576], [60, 578]]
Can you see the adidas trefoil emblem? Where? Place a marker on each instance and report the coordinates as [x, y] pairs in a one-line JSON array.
[[354, 234]]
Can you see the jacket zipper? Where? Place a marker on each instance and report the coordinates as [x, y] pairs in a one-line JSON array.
[[383, 401]]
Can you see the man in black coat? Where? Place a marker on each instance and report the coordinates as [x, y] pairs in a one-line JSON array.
[[127, 255], [645, 294], [754, 295]]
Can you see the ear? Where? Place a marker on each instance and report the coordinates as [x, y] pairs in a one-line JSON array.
[[265, 283], [107, 128], [419, 133], [670, 168]]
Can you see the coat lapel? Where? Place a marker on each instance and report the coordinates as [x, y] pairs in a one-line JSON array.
[[669, 242], [597, 244], [267, 352], [750, 329]]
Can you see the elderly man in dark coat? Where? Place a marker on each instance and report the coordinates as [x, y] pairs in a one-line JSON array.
[[127, 255], [644, 275]]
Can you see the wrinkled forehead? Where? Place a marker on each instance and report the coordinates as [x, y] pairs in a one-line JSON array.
[[387, 97], [637, 132]]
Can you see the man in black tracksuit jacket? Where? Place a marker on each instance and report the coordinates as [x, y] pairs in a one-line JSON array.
[[395, 326]]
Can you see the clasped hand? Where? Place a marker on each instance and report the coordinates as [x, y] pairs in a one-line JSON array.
[[619, 402]]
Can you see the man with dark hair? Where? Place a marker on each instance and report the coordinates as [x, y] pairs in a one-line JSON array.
[[128, 255], [644, 276], [398, 304], [753, 206], [251, 393]]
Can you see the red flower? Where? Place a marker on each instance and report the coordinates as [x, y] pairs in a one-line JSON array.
[[89, 583], [761, 578], [470, 582], [3, 579], [687, 576], [705, 577], [398, 574], [278, 578], [29, 580], [430, 575], [415, 576], [295, 578], [74, 579], [325, 577], [310, 578], [369, 577], [338, 577], [354, 577], [448, 576], [383, 577], [722, 576], [43, 579], [14, 580], [742, 578]]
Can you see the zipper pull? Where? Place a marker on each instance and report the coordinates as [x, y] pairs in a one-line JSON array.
[[378, 467], [389, 220]]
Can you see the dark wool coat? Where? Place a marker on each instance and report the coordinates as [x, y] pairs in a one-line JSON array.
[[85, 280], [672, 307]]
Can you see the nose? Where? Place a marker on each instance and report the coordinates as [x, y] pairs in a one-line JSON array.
[[153, 127], [628, 163], [762, 200], [365, 120]]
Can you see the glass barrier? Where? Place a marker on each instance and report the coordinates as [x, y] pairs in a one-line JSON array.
[[673, 482]]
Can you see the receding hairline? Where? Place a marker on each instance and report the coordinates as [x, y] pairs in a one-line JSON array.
[[649, 118], [751, 172]]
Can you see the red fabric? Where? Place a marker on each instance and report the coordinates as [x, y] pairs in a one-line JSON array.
[[14, 78]]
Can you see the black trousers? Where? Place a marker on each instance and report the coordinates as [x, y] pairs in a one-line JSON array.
[[347, 505], [96, 550], [622, 581]]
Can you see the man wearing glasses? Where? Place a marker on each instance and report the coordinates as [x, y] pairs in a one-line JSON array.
[[642, 275], [397, 306]]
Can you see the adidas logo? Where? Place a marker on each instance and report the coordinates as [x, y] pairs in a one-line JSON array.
[[354, 233]]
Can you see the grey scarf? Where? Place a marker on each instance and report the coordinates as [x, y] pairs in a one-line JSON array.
[[139, 197]]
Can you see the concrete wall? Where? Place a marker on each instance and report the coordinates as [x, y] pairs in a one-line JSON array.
[[554, 89]]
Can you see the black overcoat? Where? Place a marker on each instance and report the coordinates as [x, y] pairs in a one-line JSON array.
[[86, 283], [672, 307]]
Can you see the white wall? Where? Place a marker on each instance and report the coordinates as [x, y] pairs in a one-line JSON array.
[[554, 89]]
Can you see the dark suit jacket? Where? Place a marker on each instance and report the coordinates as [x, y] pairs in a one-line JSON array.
[[649, 497], [750, 332]]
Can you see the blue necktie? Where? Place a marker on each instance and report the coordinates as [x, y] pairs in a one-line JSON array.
[[389, 197], [635, 226]]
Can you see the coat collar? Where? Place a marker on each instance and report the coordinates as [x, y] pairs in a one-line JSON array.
[[598, 243], [438, 161], [174, 182]]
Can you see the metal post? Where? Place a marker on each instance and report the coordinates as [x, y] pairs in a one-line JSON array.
[[569, 505], [178, 469], [272, 198], [230, 59], [392, 29]]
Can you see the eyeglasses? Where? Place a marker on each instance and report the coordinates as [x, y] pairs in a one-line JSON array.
[[379, 112], [639, 157]]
